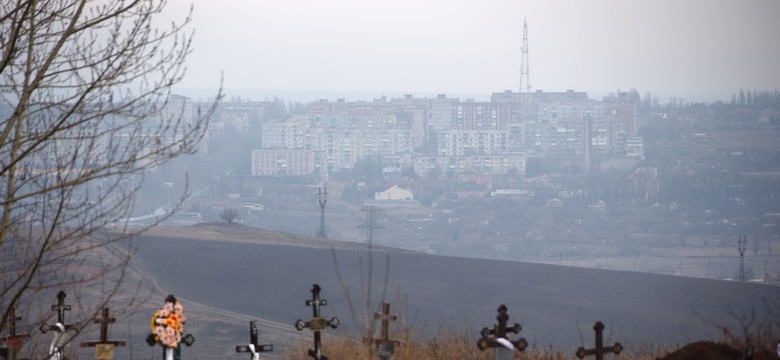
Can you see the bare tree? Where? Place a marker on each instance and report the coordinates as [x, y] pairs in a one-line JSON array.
[[228, 215], [85, 109]]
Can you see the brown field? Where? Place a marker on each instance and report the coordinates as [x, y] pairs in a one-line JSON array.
[[228, 275]]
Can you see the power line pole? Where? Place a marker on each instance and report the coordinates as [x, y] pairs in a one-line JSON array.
[[741, 246], [322, 198], [371, 226]]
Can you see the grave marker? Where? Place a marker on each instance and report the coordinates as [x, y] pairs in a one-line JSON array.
[[61, 308], [104, 348], [254, 347], [317, 322], [170, 316], [59, 328], [499, 340], [599, 350], [13, 341], [385, 346]]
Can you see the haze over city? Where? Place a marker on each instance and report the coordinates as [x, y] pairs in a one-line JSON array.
[[618, 166], [699, 50]]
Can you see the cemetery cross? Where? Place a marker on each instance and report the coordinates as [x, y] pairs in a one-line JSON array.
[[385, 346], [167, 326], [254, 347], [503, 346], [317, 323], [55, 352], [599, 350], [104, 348], [13, 341]]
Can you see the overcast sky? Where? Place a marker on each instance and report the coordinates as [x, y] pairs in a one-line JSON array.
[[690, 48]]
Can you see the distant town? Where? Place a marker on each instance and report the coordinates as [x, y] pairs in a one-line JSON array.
[[626, 182]]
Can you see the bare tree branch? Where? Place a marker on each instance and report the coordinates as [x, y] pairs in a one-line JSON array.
[[87, 85]]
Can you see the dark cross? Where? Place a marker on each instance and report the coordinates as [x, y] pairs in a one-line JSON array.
[[499, 332], [187, 339], [599, 350], [104, 348], [254, 347], [385, 346], [13, 341], [61, 308], [317, 323]]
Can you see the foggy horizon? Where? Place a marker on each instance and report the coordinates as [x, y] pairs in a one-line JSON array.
[[698, 50]]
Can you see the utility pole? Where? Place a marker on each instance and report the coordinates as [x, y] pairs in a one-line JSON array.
[[371, 226], [322, 198], [742, 246]]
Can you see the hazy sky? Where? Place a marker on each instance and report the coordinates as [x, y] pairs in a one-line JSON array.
[[668, 47]]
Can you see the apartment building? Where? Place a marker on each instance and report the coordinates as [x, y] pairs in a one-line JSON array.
[[566, 129], [510, 164], [282, 162]]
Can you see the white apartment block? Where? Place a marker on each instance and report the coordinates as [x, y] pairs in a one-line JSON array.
[[478, 164], [338, 142], [291, 133], [473, 142], [282, 162]]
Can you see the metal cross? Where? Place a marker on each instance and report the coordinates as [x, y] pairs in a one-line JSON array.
[[385, 346], [104, 348], [317, 323], [599, 350], [13, 341], [499, 332], [61, 308], [253, 346], [187, 339]]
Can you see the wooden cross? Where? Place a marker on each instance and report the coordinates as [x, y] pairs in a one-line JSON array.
[[13, 341], [385, 346], [104, 348], [317, 323], [499, 331], [599, 350], [61, 308], [254, 347]]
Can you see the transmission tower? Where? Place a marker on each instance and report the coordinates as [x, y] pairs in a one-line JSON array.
[[370, 225], [322, 198], [525, 77], [741, 246]]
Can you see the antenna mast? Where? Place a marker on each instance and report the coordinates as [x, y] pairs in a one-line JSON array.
[[525, 78]]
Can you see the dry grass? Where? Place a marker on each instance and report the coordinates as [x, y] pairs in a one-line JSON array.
[[456, 346], [447, 347]]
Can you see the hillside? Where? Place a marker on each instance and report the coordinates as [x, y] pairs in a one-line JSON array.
[[257, 274]]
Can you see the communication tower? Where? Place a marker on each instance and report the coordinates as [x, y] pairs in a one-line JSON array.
[[525, 77]]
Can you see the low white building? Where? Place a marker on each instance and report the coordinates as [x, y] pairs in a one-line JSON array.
[[394, 193]]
